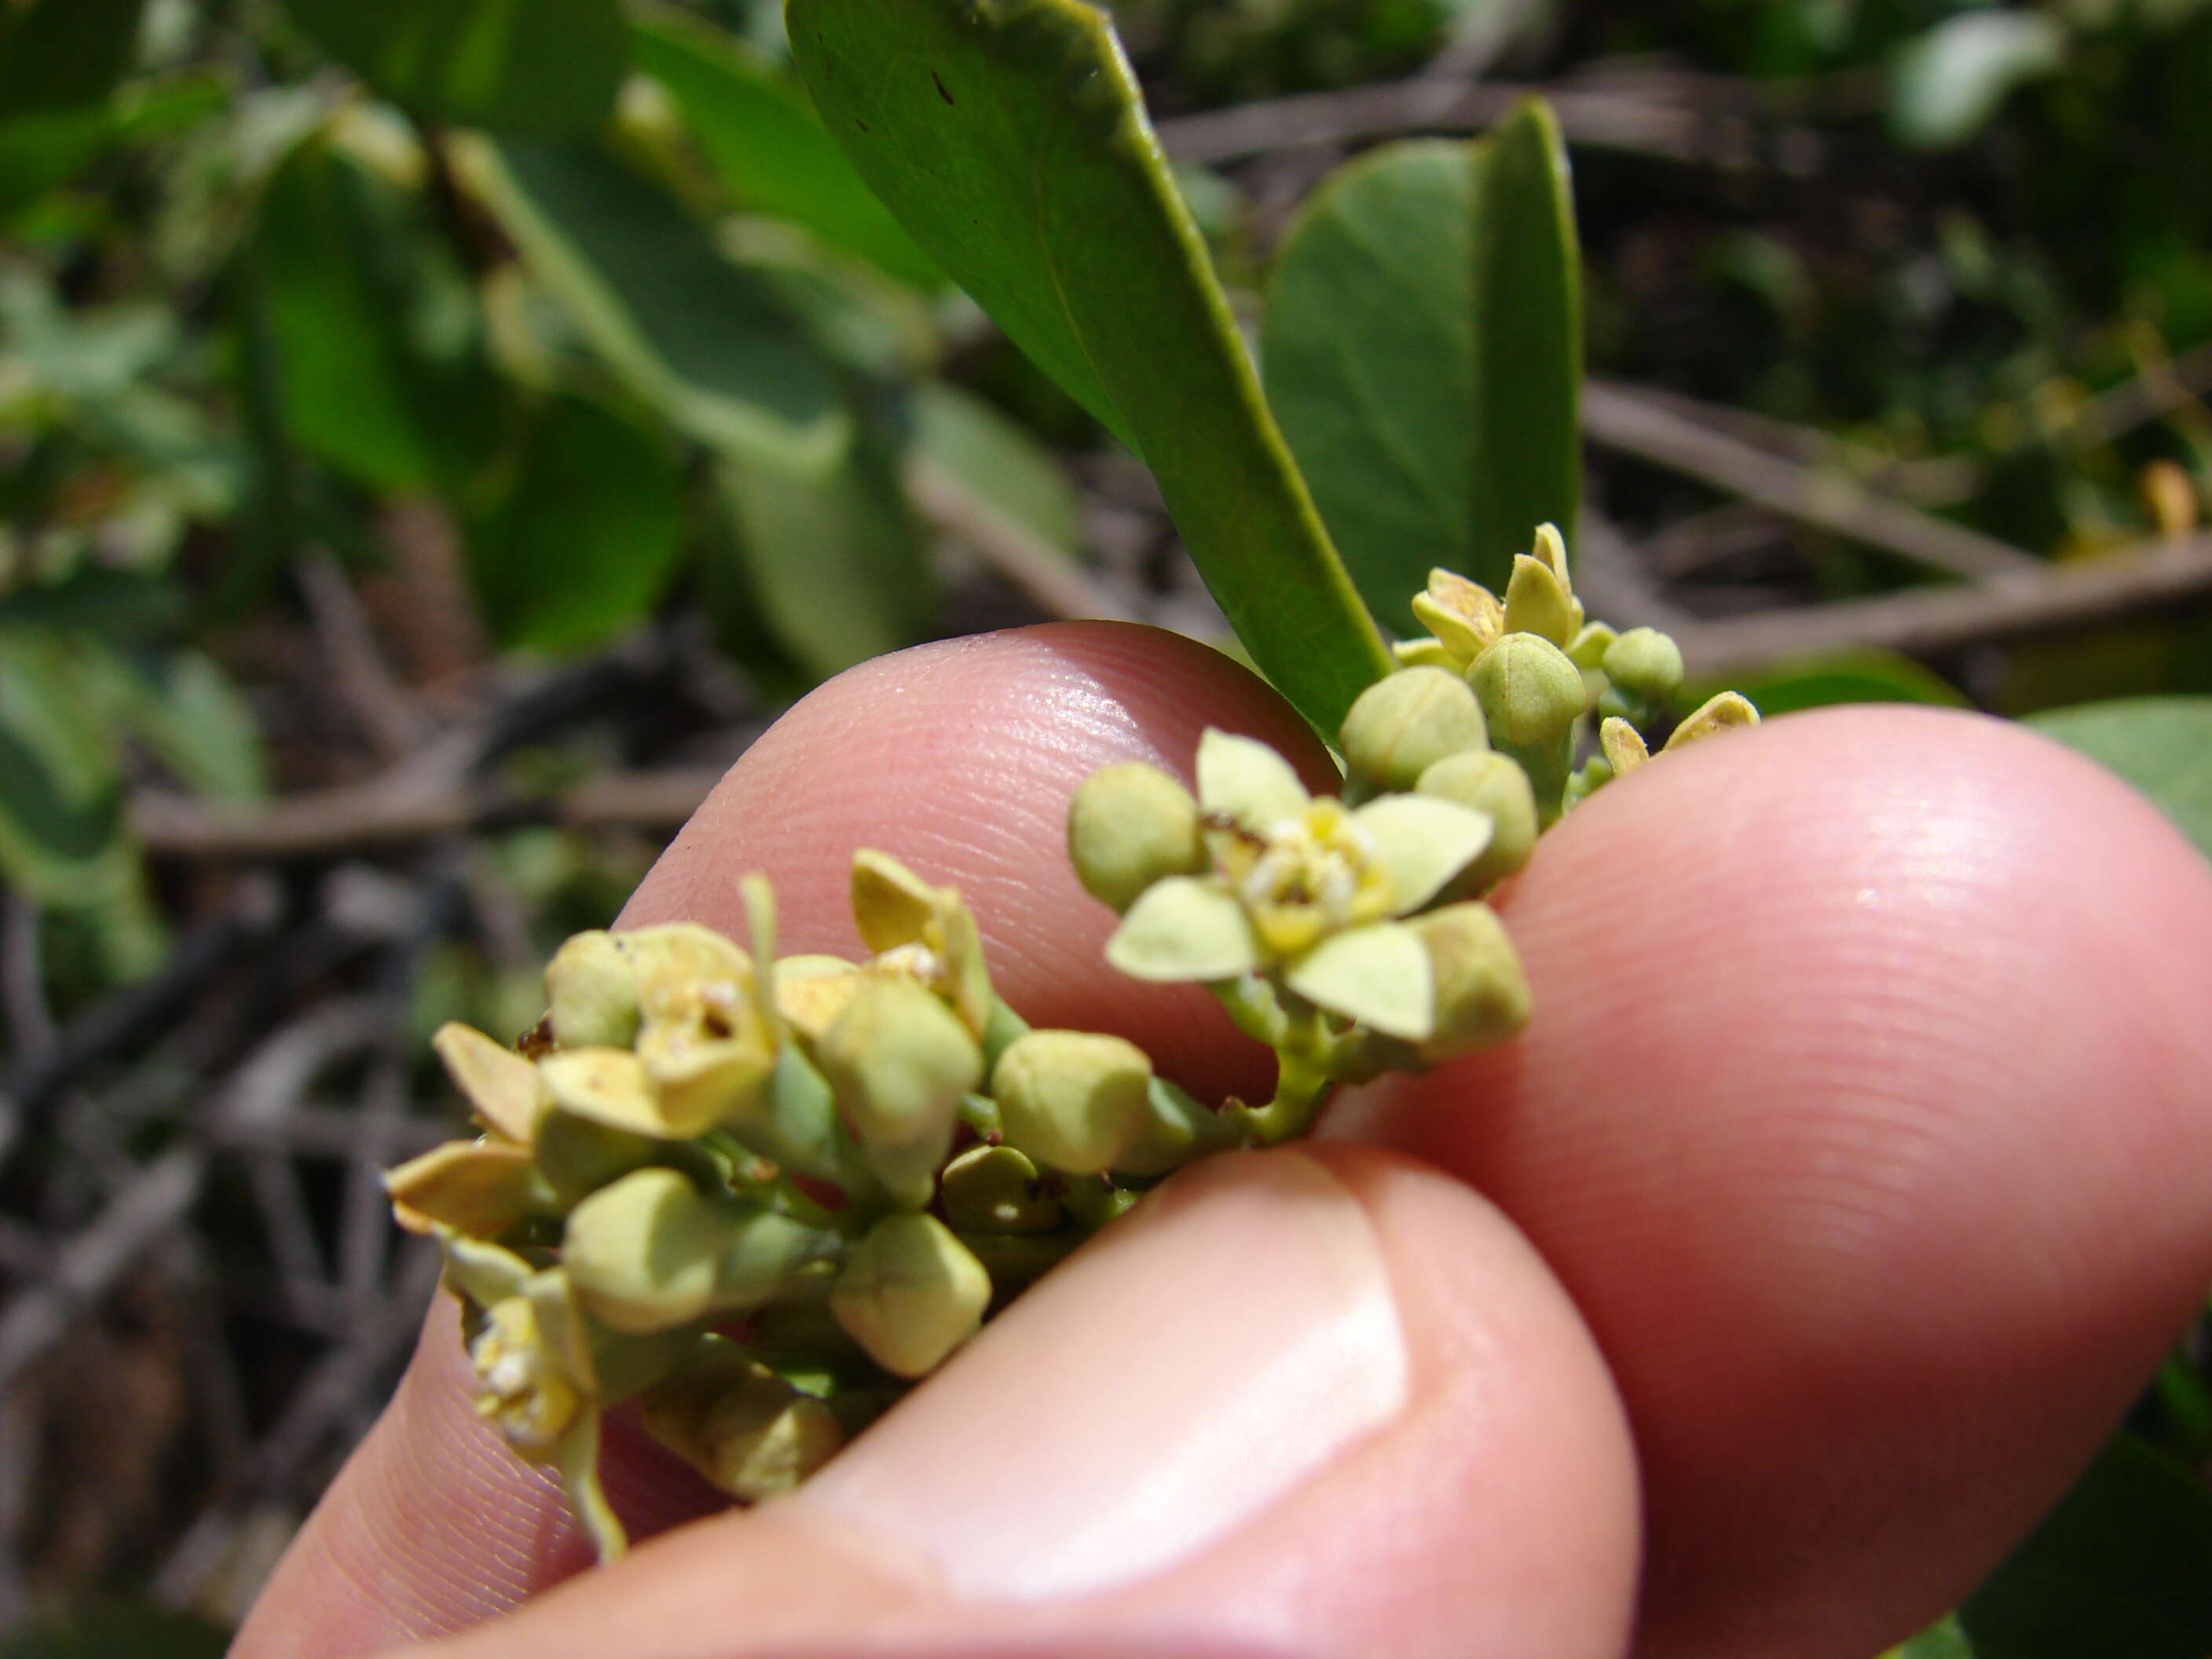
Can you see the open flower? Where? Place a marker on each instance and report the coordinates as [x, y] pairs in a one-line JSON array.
[[536, 1380], [1305, 890]]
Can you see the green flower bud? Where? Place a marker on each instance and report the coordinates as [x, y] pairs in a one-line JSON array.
[[1537, 602], [996, 1189], [1406, 722], [1129, 826], [746, 1430], [643, 1253], [900, 1061], [1646, 665], [1482, 996], [1074, 1099], [1720, 713], [910, 1293], [579, 1155], [591, 992], [1597, 772], [1493, 784], [1588, 648], [1531, 693], [1424, 652]]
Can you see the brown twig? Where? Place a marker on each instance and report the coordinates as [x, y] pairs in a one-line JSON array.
[[1935, 619], [1634, 423], [1033, 567], [1605, 120], [364, 817]]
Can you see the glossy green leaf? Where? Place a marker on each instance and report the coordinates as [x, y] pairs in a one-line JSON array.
[[690, 332], [764, 142], [1942, 1640], [585, 541], [64, 54], [1011, 140], [832, 567], [2120, 1567], [2162, 745], [1947, 85], [1867, 676], [1423, 347], [547, 66], [999, 462], [345, 276]]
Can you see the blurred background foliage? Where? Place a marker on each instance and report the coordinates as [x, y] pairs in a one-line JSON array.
[[435, 435]]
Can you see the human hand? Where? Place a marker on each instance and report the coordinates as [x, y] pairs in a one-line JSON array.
[[1849, 1180]]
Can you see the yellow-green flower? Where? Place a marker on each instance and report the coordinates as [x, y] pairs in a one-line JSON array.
[[1305, 889]]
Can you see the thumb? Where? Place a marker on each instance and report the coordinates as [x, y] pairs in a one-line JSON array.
[[1324, 1400]]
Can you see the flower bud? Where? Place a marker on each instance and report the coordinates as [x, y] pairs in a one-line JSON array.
[[1646, 665], [1482, 996], [900, 1061], [1129, 826], [579, 1155], [1073, 1099], [1407, 721], [591, 993], [1588, 648], [1424, 652], [1494, 784], [995, 1189], [1718, 714], [1531, 693], [909, 1294], [746, 1430], [1537, 602], [642, 1253]]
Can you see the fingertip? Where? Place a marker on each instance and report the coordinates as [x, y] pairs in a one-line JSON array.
[[1863, 1115]]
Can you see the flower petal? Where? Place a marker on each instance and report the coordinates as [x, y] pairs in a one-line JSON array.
[[1186, 927], [1421, 843], [1379, 975], [1246, 780], [476, 1187], [483, 1273], [610, 1086], [891, 905], [503, 1087]]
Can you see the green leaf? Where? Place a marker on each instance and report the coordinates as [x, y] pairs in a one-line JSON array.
[[1947, 85], [692, 333], [61, 789], [1943, 1640], [764, 141], [64, 54], [1009, 139], [999, 462], [584, 542], [545, 66], [346, 277], [2162, 745], [40, 152], [2120, 1567], [831, 562], [183, 708], [143, 1631], [1423, 346]]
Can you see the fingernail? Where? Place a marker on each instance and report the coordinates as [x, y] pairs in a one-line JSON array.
[[1214, 1349]]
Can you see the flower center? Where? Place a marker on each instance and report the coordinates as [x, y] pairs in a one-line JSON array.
[[519, 1386], [1306, 877]]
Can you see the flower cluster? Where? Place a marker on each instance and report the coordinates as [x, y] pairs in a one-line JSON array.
[[760, 1195]]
